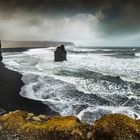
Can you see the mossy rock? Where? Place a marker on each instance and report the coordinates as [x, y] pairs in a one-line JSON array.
[[25, 126], [21, 125], [116, 127]]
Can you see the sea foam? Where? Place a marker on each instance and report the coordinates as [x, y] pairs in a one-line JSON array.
[[88, 85]]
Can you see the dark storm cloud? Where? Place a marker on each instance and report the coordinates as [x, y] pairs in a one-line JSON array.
[[65, 5], [122, 13], [122, 17], [99, 19]]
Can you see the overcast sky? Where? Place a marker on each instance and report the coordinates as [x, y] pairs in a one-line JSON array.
[[85, 22]]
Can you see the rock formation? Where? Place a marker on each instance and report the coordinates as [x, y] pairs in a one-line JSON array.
[[0, 52], [21, 125], [60, 54], [117, 127]]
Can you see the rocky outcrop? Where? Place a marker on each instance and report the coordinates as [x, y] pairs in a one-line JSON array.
[[116, 127], [60, 54], [21, 125], [0, 52]]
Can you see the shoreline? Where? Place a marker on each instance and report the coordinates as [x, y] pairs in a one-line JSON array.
[[10, 99]]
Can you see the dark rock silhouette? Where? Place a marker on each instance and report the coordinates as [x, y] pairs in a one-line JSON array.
[[0, 52], [60, 54]]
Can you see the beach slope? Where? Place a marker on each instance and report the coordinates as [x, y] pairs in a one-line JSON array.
[[10, 100]]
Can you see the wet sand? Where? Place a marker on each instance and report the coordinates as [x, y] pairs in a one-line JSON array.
[[10, 100]]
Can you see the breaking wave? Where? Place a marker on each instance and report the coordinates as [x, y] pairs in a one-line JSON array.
[[88, 85]]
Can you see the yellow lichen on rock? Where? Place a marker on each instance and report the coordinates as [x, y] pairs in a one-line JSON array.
[[10, 120], [116, 127], [20, 125], [68, 127], [62, 123], [30, 127]]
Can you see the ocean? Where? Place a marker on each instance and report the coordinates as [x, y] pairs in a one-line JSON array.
[[92, 83]]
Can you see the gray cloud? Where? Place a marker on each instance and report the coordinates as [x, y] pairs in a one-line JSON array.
[[78, 28], [83, 21]]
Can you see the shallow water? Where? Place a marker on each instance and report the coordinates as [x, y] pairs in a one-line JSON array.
[[93, 82]]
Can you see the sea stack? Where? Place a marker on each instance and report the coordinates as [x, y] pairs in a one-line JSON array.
[[60, 54], [0, 52]]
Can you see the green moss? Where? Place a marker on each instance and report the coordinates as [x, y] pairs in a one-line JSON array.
[[62, 123], [41, 127], [27, 126], [116, 127]]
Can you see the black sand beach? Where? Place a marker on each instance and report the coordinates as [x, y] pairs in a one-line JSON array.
[[10, 100]]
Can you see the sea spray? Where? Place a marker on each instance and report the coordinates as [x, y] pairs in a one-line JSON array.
[[93, 82]]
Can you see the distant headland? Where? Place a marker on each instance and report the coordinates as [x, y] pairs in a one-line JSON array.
[[24, 45]]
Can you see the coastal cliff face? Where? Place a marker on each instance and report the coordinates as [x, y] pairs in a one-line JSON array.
[[21, 125]]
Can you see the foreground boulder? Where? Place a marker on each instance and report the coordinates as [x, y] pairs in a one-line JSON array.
[[0, 52], [26, 126], [117, 127], [60, 54], [20, 125]]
